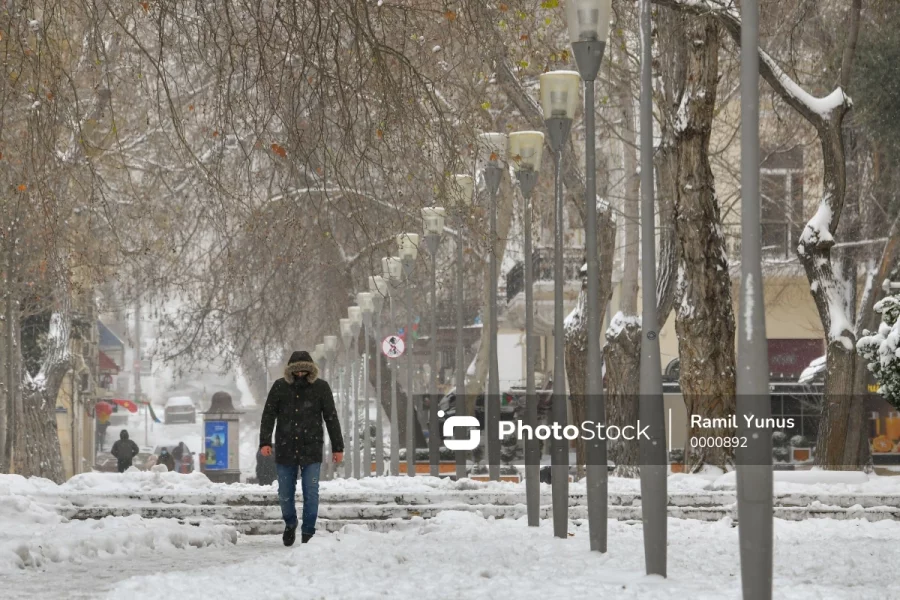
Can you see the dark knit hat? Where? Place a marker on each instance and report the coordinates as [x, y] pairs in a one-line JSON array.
[[301, 361]]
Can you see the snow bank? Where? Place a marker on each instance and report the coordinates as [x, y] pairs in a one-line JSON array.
[[25, 544]]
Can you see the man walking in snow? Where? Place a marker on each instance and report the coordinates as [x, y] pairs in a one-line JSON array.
[[299, 402], [124, 450]]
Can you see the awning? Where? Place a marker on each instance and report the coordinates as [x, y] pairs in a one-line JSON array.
[[108, 365]]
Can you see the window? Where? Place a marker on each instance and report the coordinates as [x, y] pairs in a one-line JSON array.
[[781, 186]]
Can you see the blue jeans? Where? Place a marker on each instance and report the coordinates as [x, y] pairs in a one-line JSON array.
[[287, 489]]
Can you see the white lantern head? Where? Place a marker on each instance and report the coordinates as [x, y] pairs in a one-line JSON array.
[[433, 217], [354, 313], [408, 246], [346, 328], [492, 147], [588, 20], [461, 189], [392, 267], [366, 303], [526, 149], [378, 284], [559, 94], [331, 343], [319, 352]]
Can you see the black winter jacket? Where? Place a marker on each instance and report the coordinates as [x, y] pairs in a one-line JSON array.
[[299, 405]]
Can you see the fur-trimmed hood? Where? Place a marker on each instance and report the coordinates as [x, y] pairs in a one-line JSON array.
[[301, 361]]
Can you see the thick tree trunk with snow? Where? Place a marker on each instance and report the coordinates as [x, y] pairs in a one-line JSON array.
[[39, 453], [704, 319], [576, 329], [622, 356]]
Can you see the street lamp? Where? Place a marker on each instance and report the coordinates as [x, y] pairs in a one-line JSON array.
[[460, 196], [318, 356], [367, 304], [588, 31], [354, 313], [379, 288], [433, 218], [651, 408], [492, 150], [392, 272], [559, 99], [525, 150], [754, 462], [408, 250], [347, 336]]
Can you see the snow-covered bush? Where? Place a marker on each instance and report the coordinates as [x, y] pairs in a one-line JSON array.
[[880, 350]]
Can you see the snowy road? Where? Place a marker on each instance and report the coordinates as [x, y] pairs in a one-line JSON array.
[[461, 556]]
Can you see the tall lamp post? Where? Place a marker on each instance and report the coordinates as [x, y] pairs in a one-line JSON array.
[[588, 31], [651, 410], [559, 99], [492, 148], [367, 304], [408, 250], [525, 151], [378, 287], [354, 313], [754, 463], [460, 197], [318, 356], [392, 270], [347, 337], [433, 218]]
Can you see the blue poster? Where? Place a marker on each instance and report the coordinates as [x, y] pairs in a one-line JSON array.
[[216, 445]]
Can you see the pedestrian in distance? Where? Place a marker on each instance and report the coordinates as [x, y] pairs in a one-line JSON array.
[[166, 459], [298, 403], [124, 450]]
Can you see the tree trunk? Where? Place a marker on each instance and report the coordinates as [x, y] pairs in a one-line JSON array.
[[576, 329], [704, 319], [39, 435], [623, 369]]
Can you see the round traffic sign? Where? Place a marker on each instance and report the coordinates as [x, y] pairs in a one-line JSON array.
[[393, 346]]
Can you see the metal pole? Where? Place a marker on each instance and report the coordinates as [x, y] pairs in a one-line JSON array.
[[527, 181], [492, 176], [588, 56], [434, 438], [366, 464], [558, 129], [346, 406], [754, 463], [395, 420], [410, 404], [379, 426], [138, 366], [651, 411], [354, 377], [460, 394]]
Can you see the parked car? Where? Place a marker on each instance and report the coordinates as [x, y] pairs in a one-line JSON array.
[[145, 460], [180, 409], [184, 458]]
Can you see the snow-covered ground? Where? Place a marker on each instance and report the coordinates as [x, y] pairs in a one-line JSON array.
[[461, 555], [455, 554]]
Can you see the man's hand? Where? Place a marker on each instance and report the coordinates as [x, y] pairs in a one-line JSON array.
[[338, 457], [266, 450]]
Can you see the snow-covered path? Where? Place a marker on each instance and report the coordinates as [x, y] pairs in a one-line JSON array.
[[94, 578], [462, 555]]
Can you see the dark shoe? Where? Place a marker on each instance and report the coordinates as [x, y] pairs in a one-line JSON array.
[[290, 534], [305, 538]]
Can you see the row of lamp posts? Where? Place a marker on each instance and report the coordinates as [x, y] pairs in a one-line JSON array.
[[588, 22]]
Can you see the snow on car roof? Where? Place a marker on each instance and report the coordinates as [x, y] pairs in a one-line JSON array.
[[180, 401]]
